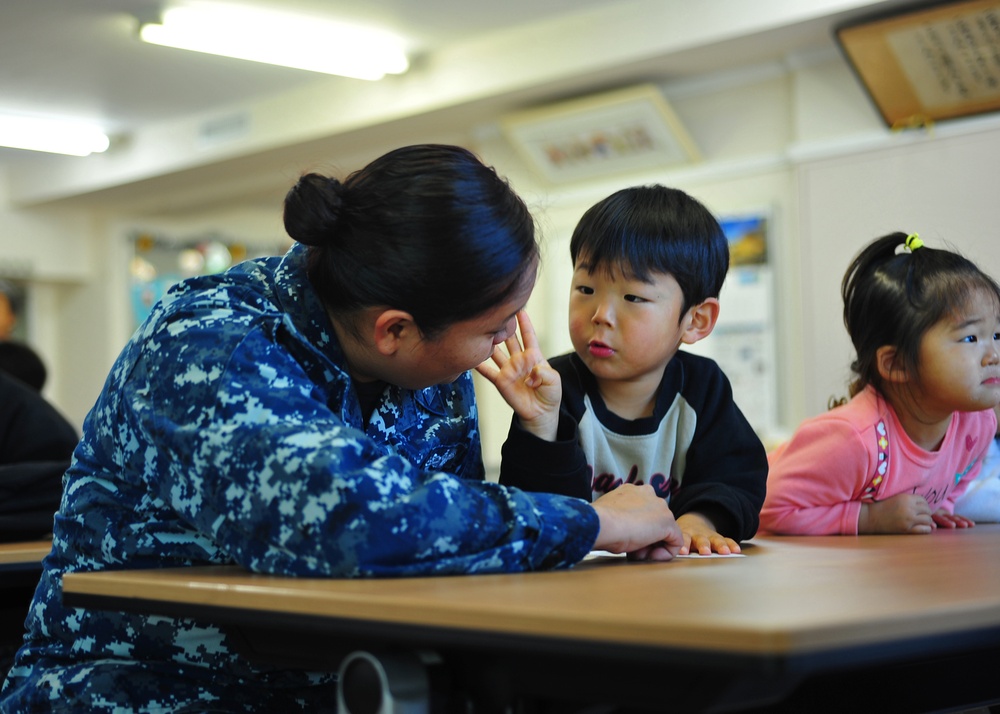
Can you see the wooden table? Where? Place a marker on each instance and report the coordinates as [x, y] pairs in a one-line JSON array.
[[20, 567], [24, 556], [807, 621]]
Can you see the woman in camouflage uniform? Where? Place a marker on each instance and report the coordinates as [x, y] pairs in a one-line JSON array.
[[308, 415]]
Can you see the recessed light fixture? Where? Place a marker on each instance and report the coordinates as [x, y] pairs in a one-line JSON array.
[[278, 38], [55, 136]]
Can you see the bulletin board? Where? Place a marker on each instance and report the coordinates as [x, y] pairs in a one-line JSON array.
[[159, 260]]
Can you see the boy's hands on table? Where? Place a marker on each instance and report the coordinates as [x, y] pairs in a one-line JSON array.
[[700, 537]]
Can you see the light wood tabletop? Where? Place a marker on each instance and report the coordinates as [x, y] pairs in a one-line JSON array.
[[23, 555], [791, 626], [788, 595]]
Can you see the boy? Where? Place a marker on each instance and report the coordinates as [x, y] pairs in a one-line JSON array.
[[649, 264]]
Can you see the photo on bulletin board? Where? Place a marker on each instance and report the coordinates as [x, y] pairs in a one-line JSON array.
[[928, 62], [158, 262], [747, 238]]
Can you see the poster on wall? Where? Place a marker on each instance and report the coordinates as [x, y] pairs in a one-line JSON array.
[[743, 341]]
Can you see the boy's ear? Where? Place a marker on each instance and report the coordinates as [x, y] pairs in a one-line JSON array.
[[392, 329], [701, 321], [890, 367]]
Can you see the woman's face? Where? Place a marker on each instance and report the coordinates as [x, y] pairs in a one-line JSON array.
[[463, 345]]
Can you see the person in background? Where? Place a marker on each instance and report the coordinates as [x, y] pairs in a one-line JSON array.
[[628, 405], [981, 500], [308, 415], [21, 361], [895, 458], [36, 443]]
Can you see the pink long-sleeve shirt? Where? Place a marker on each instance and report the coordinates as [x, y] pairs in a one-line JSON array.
[[859, 453]]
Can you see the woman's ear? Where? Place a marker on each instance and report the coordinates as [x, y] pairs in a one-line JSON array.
[[890, 366], [392, 329], [701, 321]]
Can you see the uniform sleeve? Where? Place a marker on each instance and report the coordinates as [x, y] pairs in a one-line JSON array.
[[816, 480], [726, 471], [248, 451], [533, 464]]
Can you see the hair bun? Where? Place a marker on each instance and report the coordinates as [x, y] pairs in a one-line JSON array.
[[313, 209]]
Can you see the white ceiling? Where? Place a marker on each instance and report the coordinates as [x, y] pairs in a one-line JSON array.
[[81, 58]]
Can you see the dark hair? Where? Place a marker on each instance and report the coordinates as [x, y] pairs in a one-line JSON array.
[[19, 360], [654, 229], [428, 229], [893, 298]]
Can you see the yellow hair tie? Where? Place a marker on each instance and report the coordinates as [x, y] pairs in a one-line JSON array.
[[913, 242]]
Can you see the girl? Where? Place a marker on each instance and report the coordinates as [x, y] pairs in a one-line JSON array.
[[309, 415], [894, 459]]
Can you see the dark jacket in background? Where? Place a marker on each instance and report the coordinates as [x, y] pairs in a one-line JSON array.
[[36, 443]]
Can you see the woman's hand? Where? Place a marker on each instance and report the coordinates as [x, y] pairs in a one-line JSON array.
[[634, 520], [526, 381]]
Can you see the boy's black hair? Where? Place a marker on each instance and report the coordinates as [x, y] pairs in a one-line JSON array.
[[654, 229]]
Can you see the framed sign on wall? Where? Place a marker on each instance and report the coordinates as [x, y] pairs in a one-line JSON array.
[[621, 131], [928, 62]]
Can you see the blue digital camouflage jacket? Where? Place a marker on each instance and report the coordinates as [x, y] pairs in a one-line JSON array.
[[228, 432]]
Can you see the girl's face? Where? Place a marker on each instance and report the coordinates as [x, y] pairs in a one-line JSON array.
[[959, 367]]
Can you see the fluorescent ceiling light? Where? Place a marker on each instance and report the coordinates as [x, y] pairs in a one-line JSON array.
[[281, 39], [54, 136]]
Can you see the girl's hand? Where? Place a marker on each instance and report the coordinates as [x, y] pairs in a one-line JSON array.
[[943, 519], [526, 381], [902, 513]]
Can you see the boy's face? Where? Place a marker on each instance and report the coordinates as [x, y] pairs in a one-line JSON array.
[[625, 329]]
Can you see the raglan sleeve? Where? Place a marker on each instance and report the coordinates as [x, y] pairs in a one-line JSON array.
[[248, 451], [726, 470], [816, 480], [535, 465]]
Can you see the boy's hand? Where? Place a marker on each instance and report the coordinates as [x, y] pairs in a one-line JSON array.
[[943, 519], [902, 513], [700, 537], [526, 381]]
